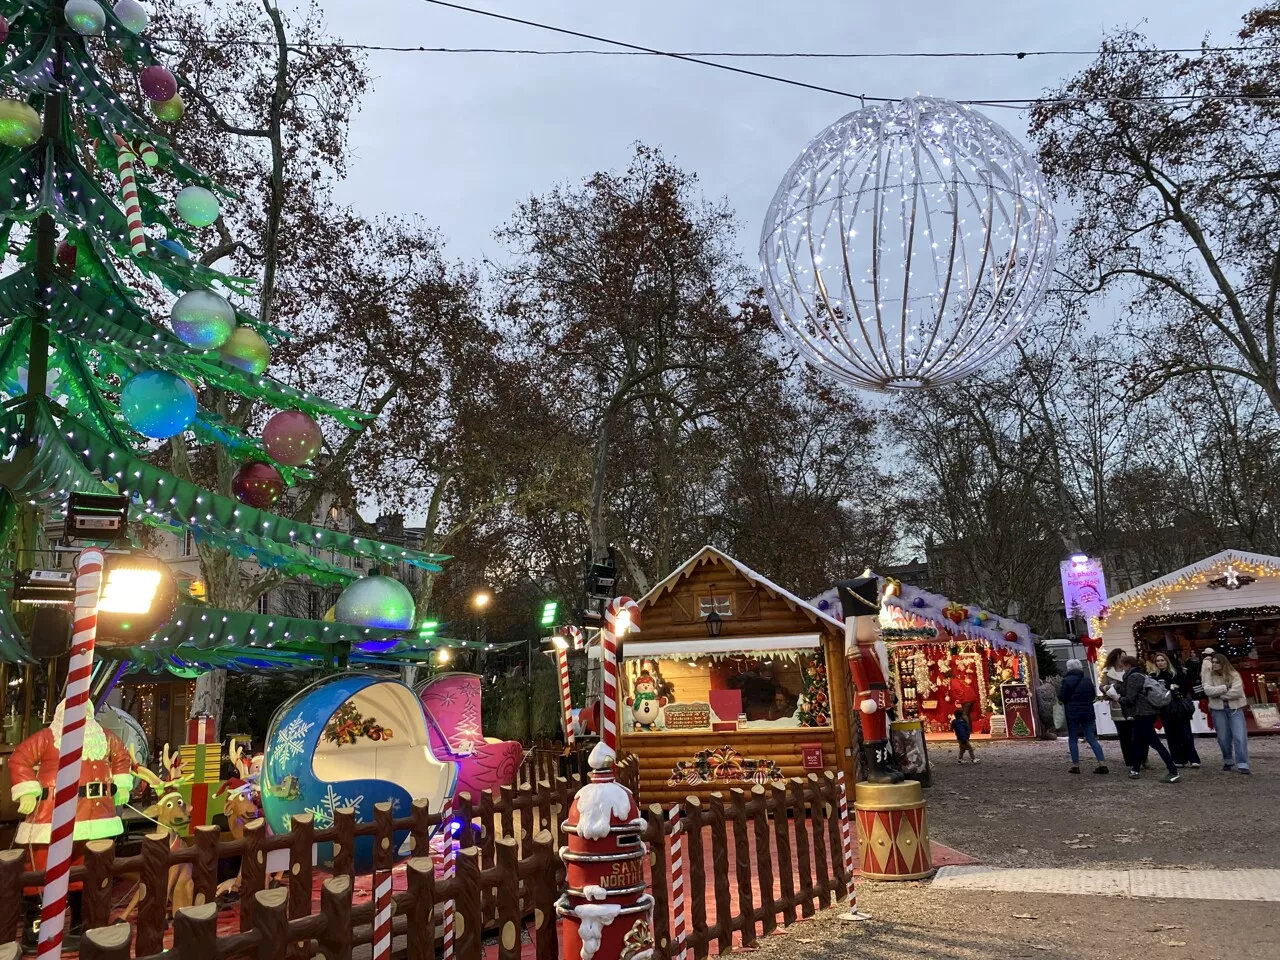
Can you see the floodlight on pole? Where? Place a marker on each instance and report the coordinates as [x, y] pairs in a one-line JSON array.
[[549, 613], [480, 599], [559, 643]]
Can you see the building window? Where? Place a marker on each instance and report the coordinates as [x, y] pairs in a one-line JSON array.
[[188, 544], [264, 603], [719, 603], [313, 606]]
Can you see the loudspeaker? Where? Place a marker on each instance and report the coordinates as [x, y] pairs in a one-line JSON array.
[[51, 633]]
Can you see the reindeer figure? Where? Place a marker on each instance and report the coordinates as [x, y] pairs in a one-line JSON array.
[[239, 808], [171, 813]]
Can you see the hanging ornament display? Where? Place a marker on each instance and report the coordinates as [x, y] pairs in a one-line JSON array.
[[169, 111], [129, 190], [85, 17], [291, 437], [131, 14], [246, 350], [376, 601], [202, 319], [66, 255], [19, 124], [197, 206], [157, 83], [258, 485], [970, 259], [174, 247], [158, 404]]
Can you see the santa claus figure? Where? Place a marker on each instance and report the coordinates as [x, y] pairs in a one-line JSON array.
[[106, 779]]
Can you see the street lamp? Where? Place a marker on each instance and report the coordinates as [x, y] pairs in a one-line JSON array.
[[480, 599]]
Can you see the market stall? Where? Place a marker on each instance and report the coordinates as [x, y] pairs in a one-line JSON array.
[[944, 657], [1230, 602], [726, 683]]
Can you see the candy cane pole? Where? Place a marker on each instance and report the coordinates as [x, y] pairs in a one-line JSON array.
[[566, 704], [450, 870], [619, 617], [146, 153], [132, 207], [853, 913], [53, 899], [677, 883]]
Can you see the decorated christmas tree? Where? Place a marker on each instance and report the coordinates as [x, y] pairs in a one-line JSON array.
[[1020, 728], [814, 710], [98, 208]]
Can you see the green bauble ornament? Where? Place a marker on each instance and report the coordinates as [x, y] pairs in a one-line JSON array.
[[202, 319], [376, 602], [19, 124], [169, 111], [246, 350], [197, 206]]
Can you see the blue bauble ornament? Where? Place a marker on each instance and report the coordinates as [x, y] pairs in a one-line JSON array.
[[174, 247], [157, 404], [376, 602], [202, 319]]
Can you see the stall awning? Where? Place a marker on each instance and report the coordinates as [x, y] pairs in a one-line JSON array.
[[638, 646]]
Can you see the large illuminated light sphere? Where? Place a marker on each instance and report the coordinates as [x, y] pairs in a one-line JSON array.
[[376, 601], [202, 319], [157, 404], [908, 245]]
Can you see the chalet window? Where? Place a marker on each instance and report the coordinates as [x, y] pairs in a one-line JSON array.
[[720, 603]]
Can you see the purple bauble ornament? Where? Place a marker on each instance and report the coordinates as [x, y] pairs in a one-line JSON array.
[[66, 255], [4, 30], [158, 83], [292, 438], [258, 485]]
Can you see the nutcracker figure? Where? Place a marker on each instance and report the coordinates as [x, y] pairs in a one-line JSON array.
[[106, 778], [869, 665]]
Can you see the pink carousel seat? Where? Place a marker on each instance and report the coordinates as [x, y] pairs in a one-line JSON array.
[[452, 704]]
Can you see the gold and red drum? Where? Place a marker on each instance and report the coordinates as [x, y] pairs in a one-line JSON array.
[[608, 913], [893, 831]]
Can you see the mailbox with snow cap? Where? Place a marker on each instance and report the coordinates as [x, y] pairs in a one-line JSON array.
[[607, 910]]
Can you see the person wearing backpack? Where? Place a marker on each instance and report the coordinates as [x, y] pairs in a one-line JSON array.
[[1077, 695], [1142, 698], [1177, 716]]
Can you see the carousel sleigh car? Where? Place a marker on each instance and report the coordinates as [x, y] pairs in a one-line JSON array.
[[350, 740], [452, 705]]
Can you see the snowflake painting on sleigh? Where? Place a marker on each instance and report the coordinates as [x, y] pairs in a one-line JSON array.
[[290, 742], [325, 811]]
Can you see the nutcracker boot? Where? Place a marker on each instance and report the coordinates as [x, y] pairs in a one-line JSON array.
[[30, 924], [878, 762]]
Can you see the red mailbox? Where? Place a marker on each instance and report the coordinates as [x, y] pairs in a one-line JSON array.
[[607, 910]]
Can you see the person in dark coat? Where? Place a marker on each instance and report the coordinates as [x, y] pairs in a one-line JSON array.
[[1077, 695], [1138, 707], [1176, 717]]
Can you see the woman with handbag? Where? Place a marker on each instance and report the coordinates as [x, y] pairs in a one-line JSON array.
[[1177, 716]]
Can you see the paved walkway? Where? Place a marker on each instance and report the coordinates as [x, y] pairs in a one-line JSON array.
[[1257, 885]]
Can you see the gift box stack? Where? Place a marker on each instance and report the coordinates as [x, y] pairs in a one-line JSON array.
[[202, 762]]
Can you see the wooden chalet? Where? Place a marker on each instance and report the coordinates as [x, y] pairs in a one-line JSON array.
[[730, 681]]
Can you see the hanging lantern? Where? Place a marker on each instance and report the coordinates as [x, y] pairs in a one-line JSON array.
[[907, 245]]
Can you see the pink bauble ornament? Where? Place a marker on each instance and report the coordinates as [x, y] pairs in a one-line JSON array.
[[4, 30], [292, 438], [258, 485], [66, 255], [158, 83]]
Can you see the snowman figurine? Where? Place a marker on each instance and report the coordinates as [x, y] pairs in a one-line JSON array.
[[646, 706]]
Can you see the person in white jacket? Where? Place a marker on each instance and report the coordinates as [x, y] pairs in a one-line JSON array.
[[1224, 687]]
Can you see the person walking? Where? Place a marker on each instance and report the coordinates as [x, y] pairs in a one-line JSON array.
[[1077, 696], [963, 731], [1142, 699], [1177, 716], [1111, 678], [1224, 687]]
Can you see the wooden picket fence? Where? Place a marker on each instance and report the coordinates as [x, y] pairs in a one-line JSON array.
[[785, 856], [780, 844]]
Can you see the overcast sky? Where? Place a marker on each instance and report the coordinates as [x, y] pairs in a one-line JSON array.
[[460, 139]]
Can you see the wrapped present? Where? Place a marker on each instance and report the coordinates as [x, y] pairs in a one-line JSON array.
[[201, 729], [202, 762]]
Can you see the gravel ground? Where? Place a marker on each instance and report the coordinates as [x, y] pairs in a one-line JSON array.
[[1018, 807]]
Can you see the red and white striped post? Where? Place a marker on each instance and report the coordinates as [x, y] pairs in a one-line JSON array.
[[382, 914], [129, 189], [53, 899], [846, 842], [619, 618], [678, 907], [566, 703], [450, 870]]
